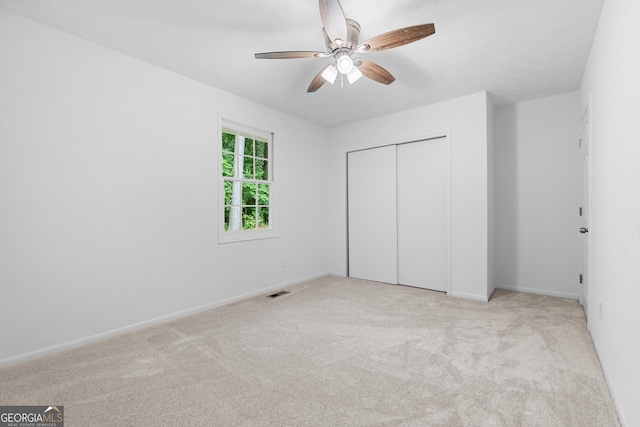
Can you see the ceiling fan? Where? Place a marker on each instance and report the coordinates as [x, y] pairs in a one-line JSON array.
[[341, 37]]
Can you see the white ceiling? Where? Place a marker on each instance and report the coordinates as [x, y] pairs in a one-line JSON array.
[[515, 49]]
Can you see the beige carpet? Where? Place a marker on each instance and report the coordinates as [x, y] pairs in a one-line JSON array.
[[336, 352]]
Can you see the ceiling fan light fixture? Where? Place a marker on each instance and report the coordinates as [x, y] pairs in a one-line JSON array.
[[330, 73], [354, 75], [344, 64]]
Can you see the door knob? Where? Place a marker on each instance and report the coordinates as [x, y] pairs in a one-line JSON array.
[[584, 230]]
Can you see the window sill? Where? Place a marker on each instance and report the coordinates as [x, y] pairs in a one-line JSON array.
[[244, 236]]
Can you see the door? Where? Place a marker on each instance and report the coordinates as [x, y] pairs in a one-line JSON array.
[[398, 205], [584, 215], [422, 214], [372, 218]]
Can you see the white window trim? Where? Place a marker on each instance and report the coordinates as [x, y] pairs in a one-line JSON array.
[[245, 235]]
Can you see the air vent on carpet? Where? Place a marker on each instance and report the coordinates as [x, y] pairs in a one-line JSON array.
[[278, 294]]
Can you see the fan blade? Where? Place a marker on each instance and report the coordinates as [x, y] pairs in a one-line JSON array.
[[396, 38], [317, 81], [292, 54], [333, 19], [375, 72]]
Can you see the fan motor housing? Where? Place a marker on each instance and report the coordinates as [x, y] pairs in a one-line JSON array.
[[353, 33]]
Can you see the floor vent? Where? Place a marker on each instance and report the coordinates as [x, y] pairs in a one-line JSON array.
[[278, 294]]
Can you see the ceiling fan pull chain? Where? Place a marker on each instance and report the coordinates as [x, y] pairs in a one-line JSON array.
[[341, 81]]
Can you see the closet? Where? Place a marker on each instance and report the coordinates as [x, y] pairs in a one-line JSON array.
[[398, 214]]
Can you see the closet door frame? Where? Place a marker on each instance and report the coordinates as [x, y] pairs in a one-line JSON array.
[[446, 134]]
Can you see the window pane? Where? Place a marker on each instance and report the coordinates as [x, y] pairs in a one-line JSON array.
[[248, 194], [262, 169], [248, 146], [263, 194], [227, 165], [235, 218], [228, 192], [262, 149], [249, 170], [228, 142], [263, 217], [248, 218], [227, 213]]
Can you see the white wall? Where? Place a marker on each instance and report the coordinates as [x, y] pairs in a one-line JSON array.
[[109, 193], [538, 183], [466, 119], [611, 80]]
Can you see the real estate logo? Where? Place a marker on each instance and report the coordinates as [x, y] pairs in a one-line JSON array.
[[31, 416]]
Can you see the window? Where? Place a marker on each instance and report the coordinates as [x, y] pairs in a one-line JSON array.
[[247, 183]]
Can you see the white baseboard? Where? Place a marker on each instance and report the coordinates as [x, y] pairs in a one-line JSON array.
[[538, 291], [475, 297], [333, 273], [614, 396], [21, 358]]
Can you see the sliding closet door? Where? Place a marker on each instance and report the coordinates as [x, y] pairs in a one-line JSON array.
[[372, 214], [422, 171]]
